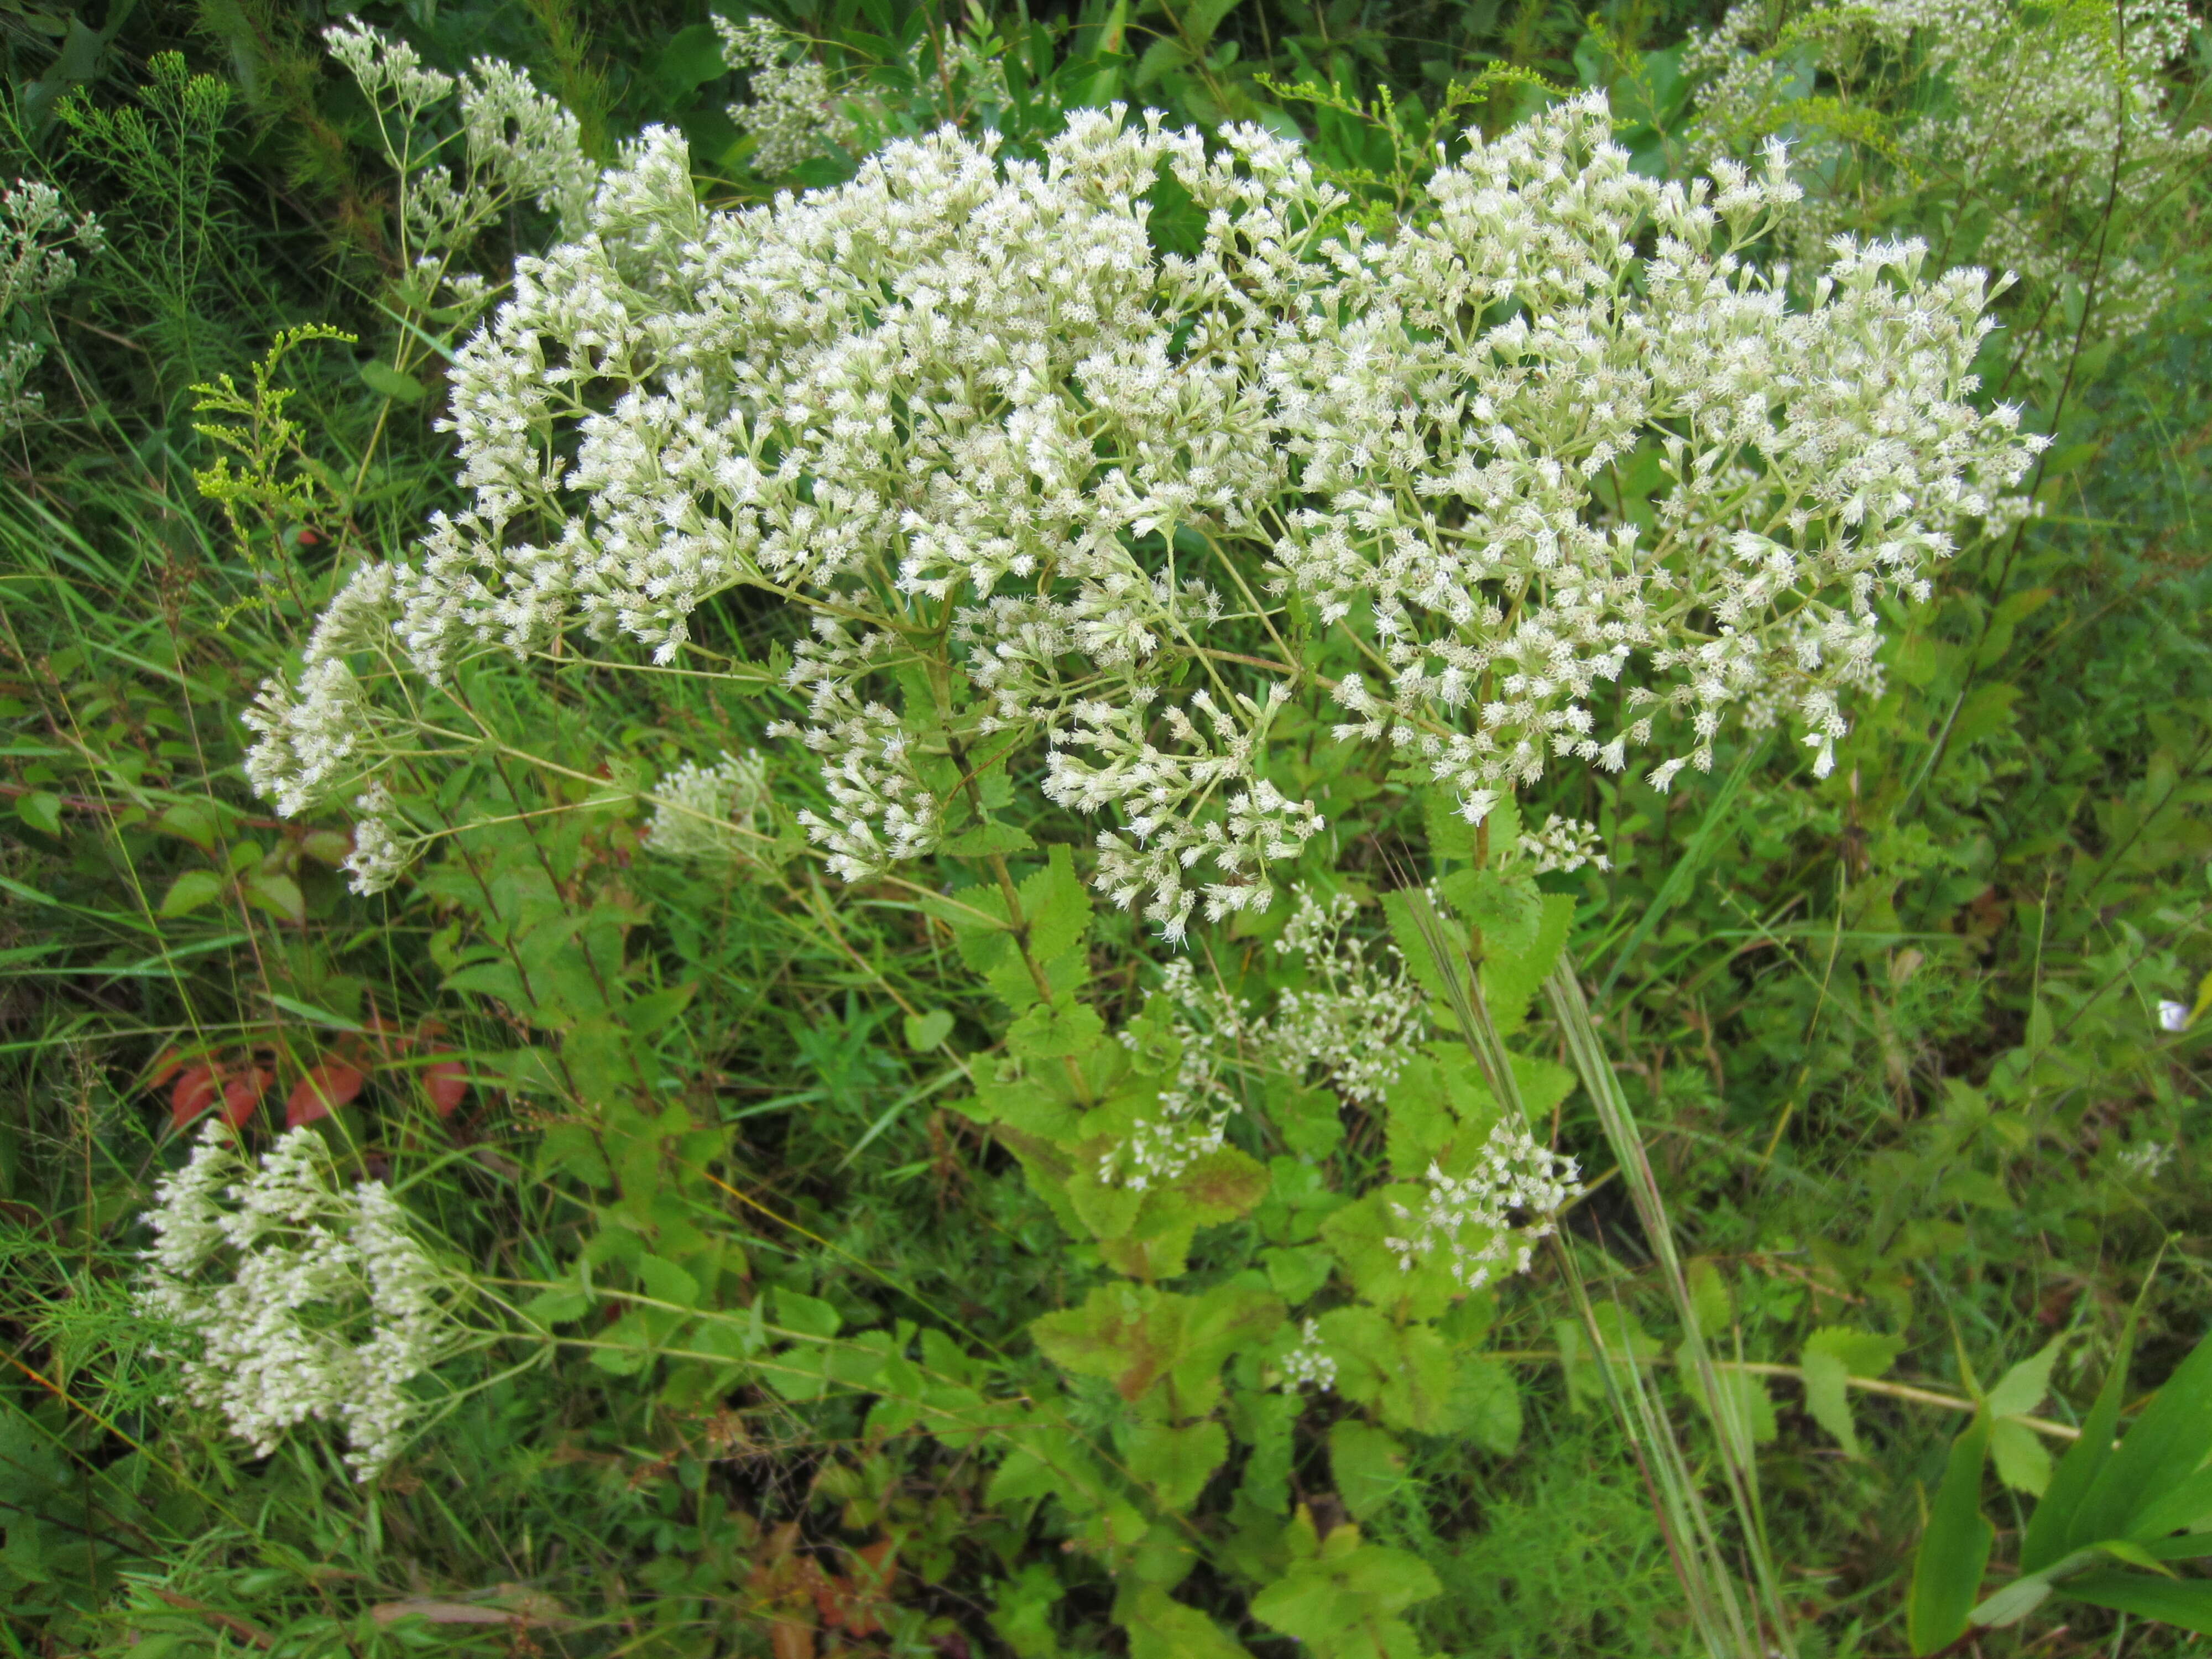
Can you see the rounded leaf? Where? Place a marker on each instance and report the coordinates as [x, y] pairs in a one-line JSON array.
[[324, 1088]]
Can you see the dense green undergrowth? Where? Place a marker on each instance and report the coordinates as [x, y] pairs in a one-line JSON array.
[[798, 1318]]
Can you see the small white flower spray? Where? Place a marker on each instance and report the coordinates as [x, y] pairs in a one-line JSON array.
[[298, 1299]]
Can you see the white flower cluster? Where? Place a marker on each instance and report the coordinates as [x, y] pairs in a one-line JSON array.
[[1309, 1365], [1355, 1021], [1038, 481], [1470, 1219], [380, 852], [299, 1268], [2025, 118], [1194, 1114], [1563, 844], [710, 813], [517, 144], [37, 231], [791, 113]]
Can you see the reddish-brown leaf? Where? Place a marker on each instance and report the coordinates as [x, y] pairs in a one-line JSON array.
[[171, 1062], [324, 1089], [859, 1602], [194, 1094], [242, 1094], [447, 1082]]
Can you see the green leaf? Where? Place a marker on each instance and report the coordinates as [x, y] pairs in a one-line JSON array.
[[386, 382], [191, 890], [277, 893], [1055, 907], [1827, 1398], [1296, 1271], [2018, 1453], [664, 1281], [1176, 1462], [2186, 1602], [1346, 1592], [1056, 1030], [42, 811], [986, 839], [2187, 1505], [1511, 982], [809, 1316], [558, 1306], [1954, 1550], [2166, 1444], [926, 1031], [1367, 1465], [2051, 1526], [194, 821], [1508, 908], [1833, 1354], [1487, 1405], [1160, 1627], [1163, 56]]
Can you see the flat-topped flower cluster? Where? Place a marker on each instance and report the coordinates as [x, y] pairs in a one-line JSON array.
[[1555, 472], [301, 1299]]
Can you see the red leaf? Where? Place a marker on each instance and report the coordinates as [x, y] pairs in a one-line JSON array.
[[326, 1087], [447, 1081], [194, 1094], [172, 1061], [242, 1094]]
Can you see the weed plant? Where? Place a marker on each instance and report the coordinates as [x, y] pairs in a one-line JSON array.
[[816, 1306]]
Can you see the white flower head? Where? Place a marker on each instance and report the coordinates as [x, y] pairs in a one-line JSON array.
[[300, 1300], [1490, 1219]]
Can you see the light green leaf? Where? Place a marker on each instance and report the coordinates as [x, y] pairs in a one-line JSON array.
[[1827, 1398], [190, 892], [1368, 1466], [925, 1031], [664, 1281], [389, 382], [1161, 1627], [277, 893], [986, 839], [1176, 1462], [1954, 1550], [42, 809], [1056, 1030], [2018, 1452]]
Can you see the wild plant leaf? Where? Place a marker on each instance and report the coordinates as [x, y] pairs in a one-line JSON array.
[[1367, 1466], [1341, 1600], [191, 890], [1176, 1462], [2051, 1529], [1508, 907], [1060, 1029], [2166, 1444], [1954, 1549], [1161, 1627], [1486, 1405], [2184, 1602], [1832, 1356], [2184, 1506], [2018, 1456]]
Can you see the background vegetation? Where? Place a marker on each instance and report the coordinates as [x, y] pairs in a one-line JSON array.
[[1894, 1036]]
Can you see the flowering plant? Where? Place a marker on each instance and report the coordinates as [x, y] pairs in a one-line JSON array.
[[301, 1300], [1557, 472], [2043, 136]]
